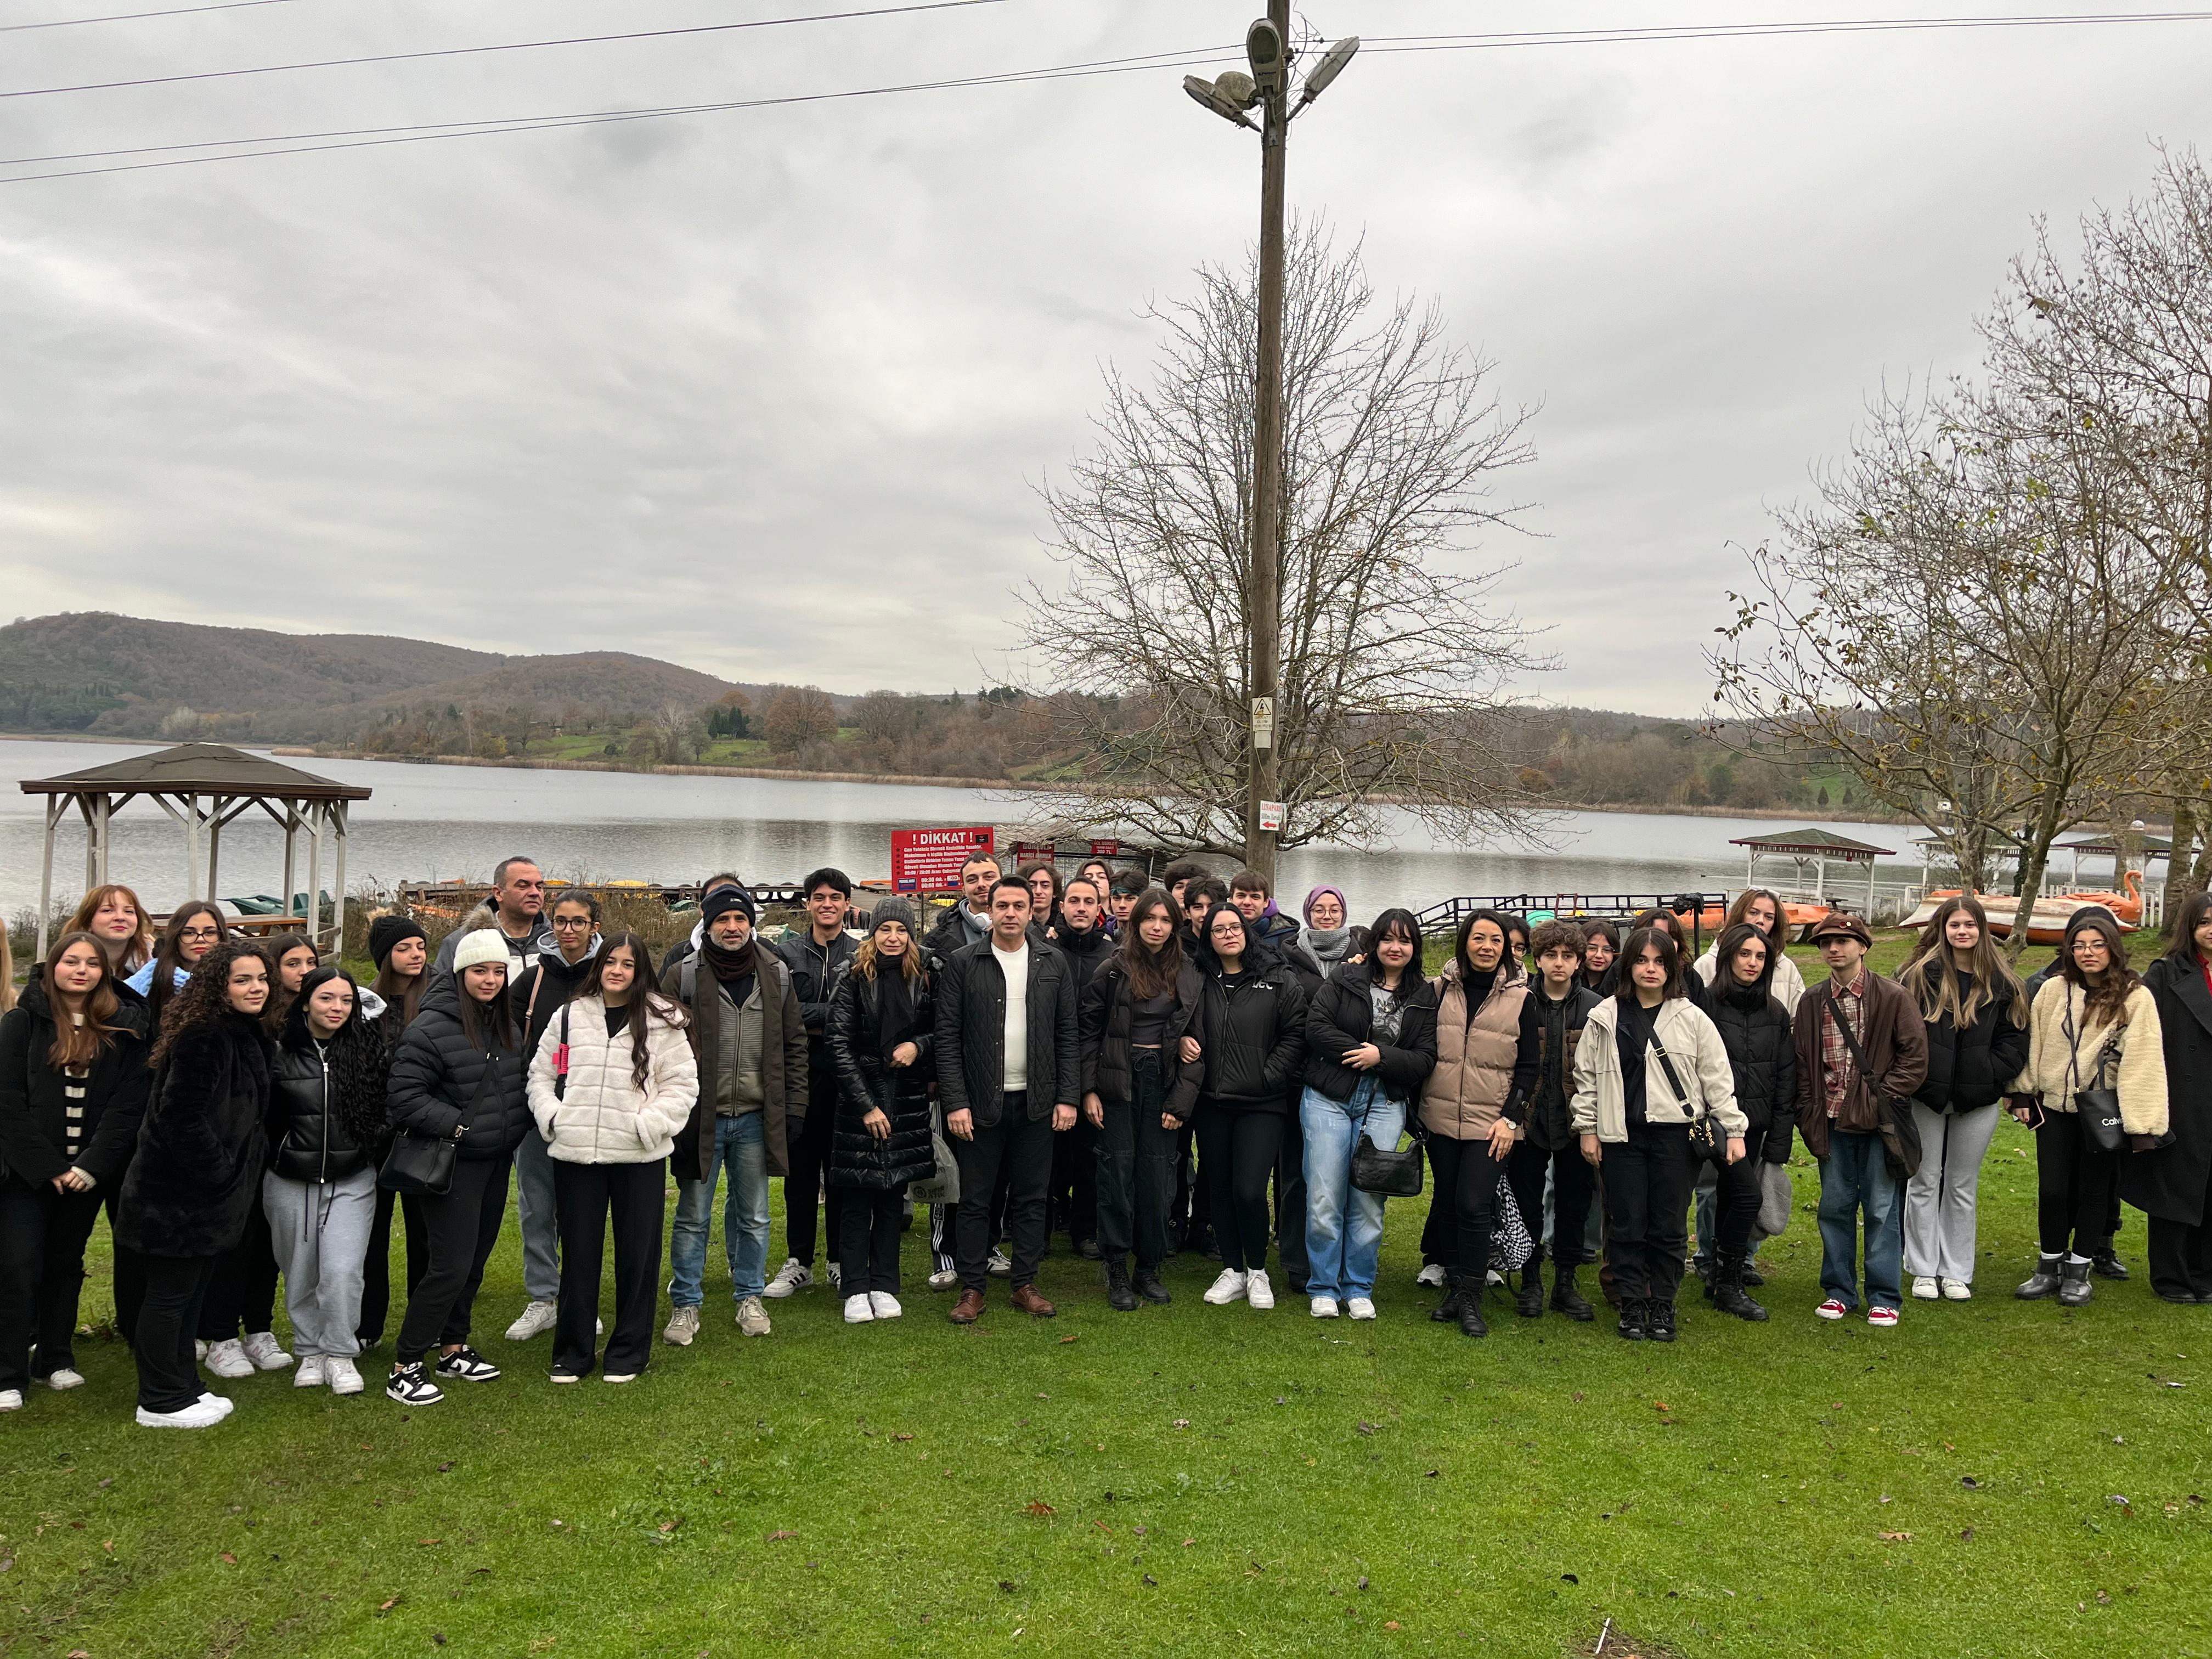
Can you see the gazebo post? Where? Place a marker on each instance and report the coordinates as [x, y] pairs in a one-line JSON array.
[[337, 809], [291, 854], [106, 810], [55, 808], [314, 912], [1750, 866], [91, 841], [1869, 909], [215, 844]]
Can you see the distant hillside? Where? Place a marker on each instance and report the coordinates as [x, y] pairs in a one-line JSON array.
[[130, 676]]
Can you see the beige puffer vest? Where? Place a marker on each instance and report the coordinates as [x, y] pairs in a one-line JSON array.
[[1474, 1059]]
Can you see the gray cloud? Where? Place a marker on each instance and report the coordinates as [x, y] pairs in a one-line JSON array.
[[769, 392]]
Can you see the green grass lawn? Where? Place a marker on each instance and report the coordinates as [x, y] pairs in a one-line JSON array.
[[1989, 1478]]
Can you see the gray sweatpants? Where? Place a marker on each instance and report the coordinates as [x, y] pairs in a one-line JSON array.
[[1940, 1198], [541, 1227], [320, 1230]]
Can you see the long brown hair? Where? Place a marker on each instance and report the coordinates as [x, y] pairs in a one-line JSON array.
[[77, 1045], [403, 994], [169, 955], [1670, 955], [1152, 972], [483, 1024], [7, 972], [280, 1000], [140, 948], [645, 1004], [1932, 977], [1739, 911], [2106, 1004], [205, 997]]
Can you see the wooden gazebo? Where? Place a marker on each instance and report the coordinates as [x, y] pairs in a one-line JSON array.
[[204, 787], [1811, 848]]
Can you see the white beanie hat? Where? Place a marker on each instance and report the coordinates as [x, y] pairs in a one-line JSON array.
[[482, 946]]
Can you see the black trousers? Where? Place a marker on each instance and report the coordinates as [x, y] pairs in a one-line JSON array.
[[1237, 1153], [242, 1298], [376, 1267], [868, 1239], [1290, 1198], [1137, 1171], [42, 1236], [1022, 1148], [1191, 1216], [804, 1201], [584, 1196], [2076, 1184], [176, 1286], [1649, 1178], [129, 1273], [1436, 1231], [459, 1227], [1735, 1192], [1075, 1181], [1574, 1185], [2181, 1258], [1467, 1178]]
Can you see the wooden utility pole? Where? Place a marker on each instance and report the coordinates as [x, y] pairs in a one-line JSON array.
[[1263, 586]]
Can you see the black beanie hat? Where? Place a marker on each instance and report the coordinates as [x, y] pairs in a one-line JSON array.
[[725, 899], [384, 934]]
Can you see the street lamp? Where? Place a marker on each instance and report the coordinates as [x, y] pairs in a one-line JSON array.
[[1268, 53]]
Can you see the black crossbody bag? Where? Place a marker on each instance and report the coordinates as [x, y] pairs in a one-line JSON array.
[[1705, 1140]]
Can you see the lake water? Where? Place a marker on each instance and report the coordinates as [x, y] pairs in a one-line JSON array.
[[425, 823]]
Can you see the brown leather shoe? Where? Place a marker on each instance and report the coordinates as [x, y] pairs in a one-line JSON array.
[[1026, 1300], [969, 1308]]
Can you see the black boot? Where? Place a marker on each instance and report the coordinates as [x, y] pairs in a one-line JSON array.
[[1565, 1298], [1726, 1292], [1119, 1295], [1752, 1276], [1088, 1249], [2042, 1282], [1529, 1303], [1631, 1318], [1149, 1286], [1659, 1320], [1470, 1305], [2073, 1287], [1455, 1293], [2106, 1264]]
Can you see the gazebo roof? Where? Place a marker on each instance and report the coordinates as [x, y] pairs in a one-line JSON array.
[[202, 768], [2111, 844], [1816, 843]]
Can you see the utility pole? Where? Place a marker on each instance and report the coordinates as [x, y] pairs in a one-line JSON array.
[[1267, 49]]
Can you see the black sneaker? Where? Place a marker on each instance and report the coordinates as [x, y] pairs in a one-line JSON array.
[[1148, 1286], [467, 1365], [2106, 1264], [1632, 1319], [409, 1386], [1659, 1321]]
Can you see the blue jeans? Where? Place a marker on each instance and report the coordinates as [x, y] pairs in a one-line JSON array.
[[1344, 1226], [738, 1148], [1854, 1176]]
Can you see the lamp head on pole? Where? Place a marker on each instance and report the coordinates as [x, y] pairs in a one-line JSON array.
[[1269, 57], [1331, 65], [1209, 96]]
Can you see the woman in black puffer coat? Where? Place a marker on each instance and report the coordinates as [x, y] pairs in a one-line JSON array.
[[197, 1170], [881, 1036], [1755, 1030], [458, 1076]]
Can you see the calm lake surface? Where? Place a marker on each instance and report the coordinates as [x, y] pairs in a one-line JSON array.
[[425, 823]]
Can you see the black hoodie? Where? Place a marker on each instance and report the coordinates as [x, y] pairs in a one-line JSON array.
[[442, 1082]]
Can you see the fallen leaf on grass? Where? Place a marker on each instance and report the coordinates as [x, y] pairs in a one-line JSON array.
[[1040, 1508], [1183, 1422], [1389, 1623], [387, 1605], [671, 1526], [1894, 1537], [902, 1436], [1660, 1405], [1966, 1536], [229, 1559], [442, 1467], [108, 1482], [1579, 1397], [1064, 1341], [1187, 1542], [778, 1537], [426, 1542], [1367, 1428]]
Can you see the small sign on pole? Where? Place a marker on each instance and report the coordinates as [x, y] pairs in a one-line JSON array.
[[1035, 852], [1271, 815], [1263, 722], [929, 860], [1105, 849]]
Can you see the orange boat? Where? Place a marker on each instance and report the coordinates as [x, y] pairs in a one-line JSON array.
[[2128, 906], [2046, 922]]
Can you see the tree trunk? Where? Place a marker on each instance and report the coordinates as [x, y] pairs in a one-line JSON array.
[[2034, 857], [2182, 877]]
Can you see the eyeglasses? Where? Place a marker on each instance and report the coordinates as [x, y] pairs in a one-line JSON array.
[[568, 924], [200, 933]]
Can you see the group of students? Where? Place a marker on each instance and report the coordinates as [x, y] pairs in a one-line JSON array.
[[1142, 1064]]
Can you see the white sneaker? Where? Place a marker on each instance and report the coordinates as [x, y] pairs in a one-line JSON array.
[[682, 1326], [198, 1415], [265, 1352], [310, 1374], [1432, 1275], [1258, 1291], [1322, 1307], [837, 1276], [618, 1377], [753, 1318], [1924, 1289], [1230, 1287], [1956, 1289], [200, 1352], [793, 1275], [1360, 1307], [227, 1358], [1001, 1265], [343, 1375], [945, 1279], [11, 1399], [859, 1310], [63, 1377], [535, 1319], [885, 1304], [226, 1407]]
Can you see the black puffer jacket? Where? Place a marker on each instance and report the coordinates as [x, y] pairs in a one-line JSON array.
[[867, 1082], [535, 995], [971, 1033], [1252, 1029], [197, 1170], [816, 973], [35, 1102], [443, 1086], [1754, 1028], [1109, 1067], [326, 1108], [1086, 953], [1339, 1017], [1973, 1067]]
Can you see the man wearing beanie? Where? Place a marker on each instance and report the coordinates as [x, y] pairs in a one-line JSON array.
[[1862, 1052], [750, 1040]]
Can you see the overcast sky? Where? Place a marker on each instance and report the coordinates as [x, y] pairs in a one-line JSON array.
[[769, 392]]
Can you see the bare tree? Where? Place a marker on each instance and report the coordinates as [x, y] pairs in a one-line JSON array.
[[797, 716], [676, 734], [1391, 657]]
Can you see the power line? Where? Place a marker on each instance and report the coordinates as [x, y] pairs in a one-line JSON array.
[[135, 16], [1639, 33], [506, 45]]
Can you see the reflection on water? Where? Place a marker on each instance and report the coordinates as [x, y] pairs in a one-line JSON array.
[[429, 822]]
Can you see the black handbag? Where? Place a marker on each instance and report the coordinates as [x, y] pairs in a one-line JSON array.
[[1388, 1172], [2099, 1110], [418, 1164]]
